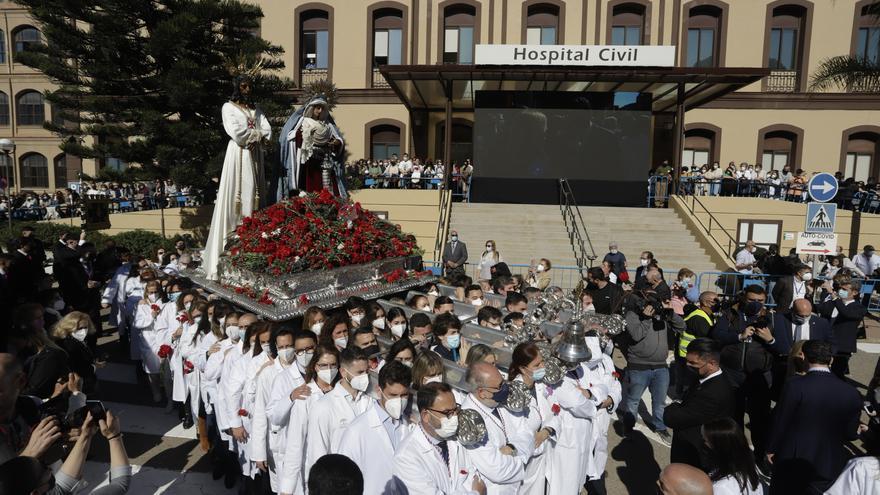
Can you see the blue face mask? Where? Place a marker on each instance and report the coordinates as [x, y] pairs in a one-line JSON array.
[[842, 293], [173, 296], [538, 374], [752, 308], [453, 341], [501, 395]]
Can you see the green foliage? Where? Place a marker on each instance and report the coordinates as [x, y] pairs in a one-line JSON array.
[[142, 242], [148, 79], [847, 73]]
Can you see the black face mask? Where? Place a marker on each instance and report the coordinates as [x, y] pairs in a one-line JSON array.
[[371, 350]]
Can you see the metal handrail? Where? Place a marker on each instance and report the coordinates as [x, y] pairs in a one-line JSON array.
[[574, 225], [732, 244], [443, 222]]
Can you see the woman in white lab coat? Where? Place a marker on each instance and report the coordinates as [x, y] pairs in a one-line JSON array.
[[186, 321], [133, 293], [188, 350], [170, 325], [147, 335], [606, 390], [861, 475], [322, 373], [527, 366]]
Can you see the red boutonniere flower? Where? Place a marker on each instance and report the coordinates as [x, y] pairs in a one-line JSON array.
[[243, 412], [616, 375], [555, 408], [188, 367], [182, 318], [464, 472], [165, 351], [155, 308]]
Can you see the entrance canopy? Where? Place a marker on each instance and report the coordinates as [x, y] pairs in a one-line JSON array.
[[432, 87]]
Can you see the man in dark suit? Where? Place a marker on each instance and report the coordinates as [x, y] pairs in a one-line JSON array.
[[845, 314], [817, 415], [792, 287], [25, 272], [709, 399], [454, 256], [800, 324], [39, 251]]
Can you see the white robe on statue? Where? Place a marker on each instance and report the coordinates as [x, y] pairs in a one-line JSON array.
[[242, 183]]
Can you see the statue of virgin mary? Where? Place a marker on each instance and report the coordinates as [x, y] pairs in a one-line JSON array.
[[311, 151], [242, 183]]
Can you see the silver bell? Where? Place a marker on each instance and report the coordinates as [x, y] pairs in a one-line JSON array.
[[573, 346]]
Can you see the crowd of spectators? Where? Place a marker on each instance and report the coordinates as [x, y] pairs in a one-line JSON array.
[[410, 173]]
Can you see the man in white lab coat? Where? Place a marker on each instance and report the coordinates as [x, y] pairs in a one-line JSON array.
[[268, 440], [606, 392], [290, 385], [429, 461], [501, 457], [373, 437], [332, 414]]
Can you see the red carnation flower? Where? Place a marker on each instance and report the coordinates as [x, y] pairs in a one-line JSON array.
[[615, 374], [464, 472], [303, 299], [243, 412], [183, 318], [188, 367], [155, 308], [165, 351], [555, 408]]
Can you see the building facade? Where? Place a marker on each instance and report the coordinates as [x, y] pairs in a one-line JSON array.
[[775, 122]]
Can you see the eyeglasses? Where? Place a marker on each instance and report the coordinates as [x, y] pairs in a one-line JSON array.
[[303, 352], [448, 413]]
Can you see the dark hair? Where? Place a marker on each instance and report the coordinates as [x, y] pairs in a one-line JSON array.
[[302, 334], [335, 474], [441, 300], [427, 394], [501, 281], [412, 301], [236, 95], [523, 354], [352, 354], [280, 332], [320, 351], [444, 322], [395, 372], [596, 273], [754, 289], [372, 308], [705, 348], [332, 321], [419, 320], [528, 291], [22, 474], [255, 328], [395, 312], [472, 287], [516, 315], [477, 353], [355, 302], [515, 298], [488, 313], [360, 331], [817, 352], [731, 453]]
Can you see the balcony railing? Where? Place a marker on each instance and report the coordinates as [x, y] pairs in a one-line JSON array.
[[865, 86], [379, 80], [308, 76], [782, 81]]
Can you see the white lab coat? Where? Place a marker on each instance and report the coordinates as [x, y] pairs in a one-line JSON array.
[[502, 473], [567, 465], [133, 292], [279, 406], [294, 469], [328, 419], [600, 371], [540, 416], [180, 387], [860, 476], [148, 338], [419, 469], [211, 368], [114, 295], [218, 366], [367, 443], [240, 385], [187, 350], [201, 363], [267, 441]]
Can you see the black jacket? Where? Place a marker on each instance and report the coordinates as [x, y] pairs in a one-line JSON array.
[[817, 414], [24, 274], [44, 370], [845, 327], [81, 361], [711, 400], [783, 293], [783, 336]]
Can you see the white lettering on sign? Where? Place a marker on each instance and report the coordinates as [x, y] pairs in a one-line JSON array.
[[583, 55]]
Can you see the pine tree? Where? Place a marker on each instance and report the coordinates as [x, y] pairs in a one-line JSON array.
[[147, 79]]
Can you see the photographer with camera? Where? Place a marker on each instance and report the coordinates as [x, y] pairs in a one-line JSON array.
[[648, 320]]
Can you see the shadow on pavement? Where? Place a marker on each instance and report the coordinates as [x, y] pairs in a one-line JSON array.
[[640, 470]]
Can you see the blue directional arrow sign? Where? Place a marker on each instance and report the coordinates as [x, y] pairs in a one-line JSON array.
[[822, 187]]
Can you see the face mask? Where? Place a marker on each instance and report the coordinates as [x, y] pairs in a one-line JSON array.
[[379, 323], [58, 305], [408, 363], [327, 376], [173, 296], [153, 297], [538, 374], [488, 249], [685, 282], [187, 306], [501, 395], [540, 268], [398, 329], [426, 308], [341, 342], [800, 320], [643, 262], [842, 293], [221, 321], [613, 251], [316, 327], [448, 427], [233, 332], [454, 238], [453, 341], [806, 277], [286, 355], [752, 308], [360, 383], [357, 318], [477, 302], [590, 307], [433, 293], [266, 349], [434, 379], [197, 320], [394, 407], [80, 334], [371, 350], [303, 360]]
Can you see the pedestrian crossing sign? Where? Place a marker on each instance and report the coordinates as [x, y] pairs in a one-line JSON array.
[[821, 218]]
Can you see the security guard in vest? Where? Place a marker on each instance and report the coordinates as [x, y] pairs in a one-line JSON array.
[[699, 323]]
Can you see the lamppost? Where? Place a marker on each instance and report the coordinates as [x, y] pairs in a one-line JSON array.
[[7, 147]]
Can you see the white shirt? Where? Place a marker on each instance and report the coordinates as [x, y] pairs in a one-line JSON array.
[[866, 265], [329, 418], [730, 486], [799, 290], [744, 257], [713, 375], [860, 476], [805, 331]]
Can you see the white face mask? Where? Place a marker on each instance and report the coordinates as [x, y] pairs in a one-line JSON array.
[[304, 360], [426, 308], [434, 379], [316, 327], [448, 427], [477, 302], [806, 277], [267, 349], [540, 268], [644, 262], [489, 249], [286, 355], [357, 318], [395, 406], [81, 334], [187, 306], [433, 293], [341, 342], [153, 297], [360, 383], [398, 329], [327, 376], [613, 251], [233, 332], [379, 323]]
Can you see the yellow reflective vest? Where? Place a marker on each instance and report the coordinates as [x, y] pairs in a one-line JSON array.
[[686, 338]]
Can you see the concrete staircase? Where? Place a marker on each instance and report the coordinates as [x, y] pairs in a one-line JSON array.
[[524, 232]]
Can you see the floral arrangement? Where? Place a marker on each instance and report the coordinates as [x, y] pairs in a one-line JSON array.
[[188, 367], [314, 232], [165, 351]]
